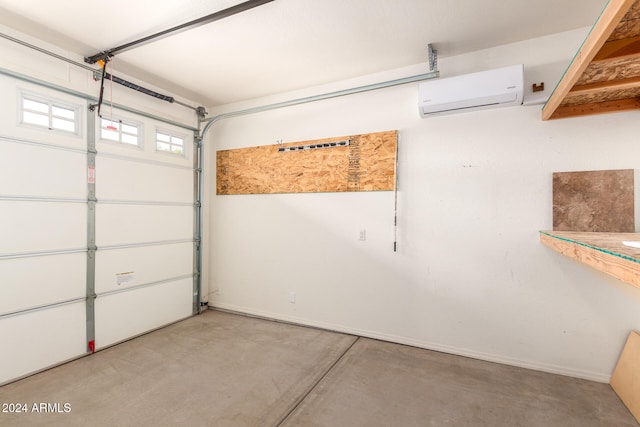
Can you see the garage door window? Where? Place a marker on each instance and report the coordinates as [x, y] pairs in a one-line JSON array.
[[170, 143], [49, 114], [120, 131]]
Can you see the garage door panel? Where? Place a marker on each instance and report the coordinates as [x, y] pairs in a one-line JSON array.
[[45, 136], [125, 314], [131, 224], [146, 264], [37, 281], [30, 170], [121, 179], [42, 226], [143, 224], [38, 339]]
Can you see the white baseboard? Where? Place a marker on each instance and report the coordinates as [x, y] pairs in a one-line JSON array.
[[489, 357]]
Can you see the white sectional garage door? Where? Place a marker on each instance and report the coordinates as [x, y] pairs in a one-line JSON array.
[[96, 231]]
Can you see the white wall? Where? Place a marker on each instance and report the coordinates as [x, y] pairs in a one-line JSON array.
[[470, 276]]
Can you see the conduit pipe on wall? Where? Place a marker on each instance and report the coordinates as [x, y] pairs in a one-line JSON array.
[[305, 100]]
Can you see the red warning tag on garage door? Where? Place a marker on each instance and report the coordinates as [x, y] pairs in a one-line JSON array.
[[91, 175]]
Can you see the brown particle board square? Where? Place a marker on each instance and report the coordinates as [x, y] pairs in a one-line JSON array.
[[601, 201], [625, 380]]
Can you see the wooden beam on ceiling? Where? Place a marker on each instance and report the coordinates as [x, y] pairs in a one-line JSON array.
[[609, 85], [567, 111], [602, 29], [622, 48]]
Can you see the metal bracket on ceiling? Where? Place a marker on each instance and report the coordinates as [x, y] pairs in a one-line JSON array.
[[433, 58], [102, 56]]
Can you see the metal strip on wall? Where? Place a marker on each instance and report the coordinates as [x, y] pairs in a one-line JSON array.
[[142, 244], [91, 232], [15, 140], [27, 198], [142, 202], [197, 224], [145, 285], [147, 161], [34, 254], [41, 307]]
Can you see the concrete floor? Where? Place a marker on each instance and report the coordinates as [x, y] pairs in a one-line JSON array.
[[221, 369]]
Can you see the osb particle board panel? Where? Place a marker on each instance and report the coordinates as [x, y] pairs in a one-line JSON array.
[[366, 164], [594, 201], [601, 96], [629, 25], [633, 13], [626, 377], [625, 29], [617, 69]]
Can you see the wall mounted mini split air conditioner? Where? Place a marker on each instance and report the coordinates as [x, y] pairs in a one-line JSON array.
[[500, 87]]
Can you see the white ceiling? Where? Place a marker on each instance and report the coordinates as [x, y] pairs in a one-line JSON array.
[[286, 44]]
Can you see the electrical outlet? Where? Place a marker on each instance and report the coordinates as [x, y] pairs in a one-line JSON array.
[[363, 235], [292, 297]]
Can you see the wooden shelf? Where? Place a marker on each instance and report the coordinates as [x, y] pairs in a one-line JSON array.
[[602, 251], [604, 74]]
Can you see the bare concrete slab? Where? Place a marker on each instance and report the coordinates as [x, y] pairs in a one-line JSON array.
[[384, 384], [216, 369], [220, 369]]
